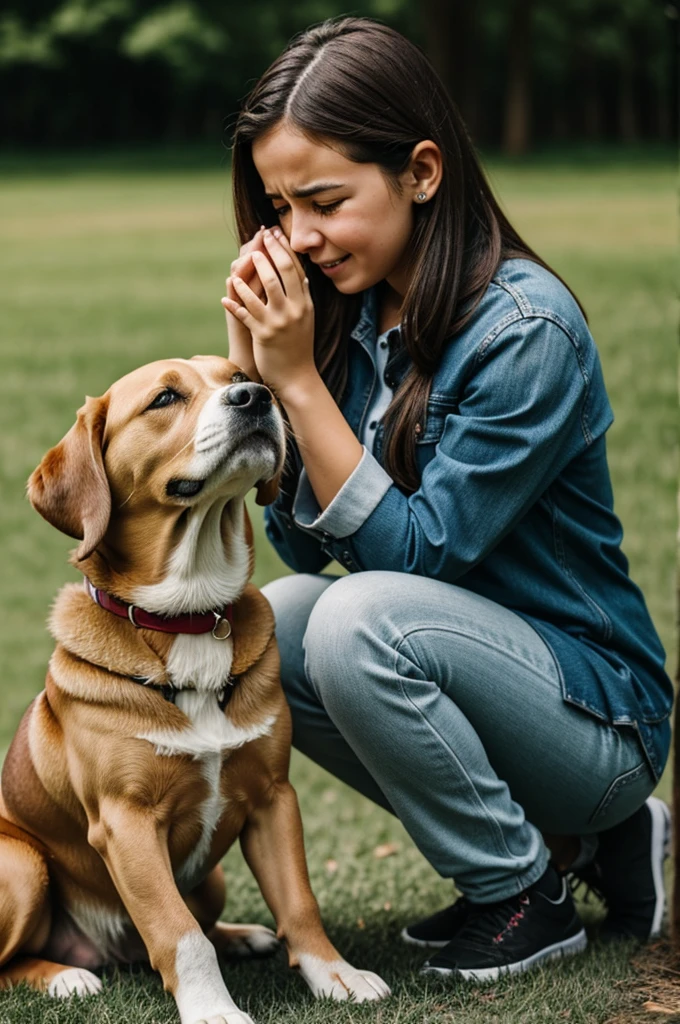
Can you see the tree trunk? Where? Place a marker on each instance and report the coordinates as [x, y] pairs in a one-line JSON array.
[[627, 114], [453, 47], [517, 124], [675, 902]]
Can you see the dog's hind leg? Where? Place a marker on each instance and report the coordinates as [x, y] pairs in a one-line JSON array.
[[25, 920], [206, 903]]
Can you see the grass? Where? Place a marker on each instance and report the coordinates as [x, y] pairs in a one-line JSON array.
[[109, 263]]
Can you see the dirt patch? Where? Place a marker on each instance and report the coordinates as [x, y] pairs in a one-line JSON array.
[[655, 989]]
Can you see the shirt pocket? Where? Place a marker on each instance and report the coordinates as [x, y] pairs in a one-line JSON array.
[[439, 406]]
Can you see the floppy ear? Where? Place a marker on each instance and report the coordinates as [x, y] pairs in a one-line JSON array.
[[267, 490], [69, 488]]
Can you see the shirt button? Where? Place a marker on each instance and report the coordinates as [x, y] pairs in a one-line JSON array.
[[384, 343], [373, 424]]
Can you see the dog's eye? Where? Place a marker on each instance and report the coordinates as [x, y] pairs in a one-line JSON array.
[[167, 397], [239, 377]]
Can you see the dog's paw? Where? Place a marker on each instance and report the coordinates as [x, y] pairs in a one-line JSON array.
[[228, 1018], [74, 981], [242, 940], [339, 980]]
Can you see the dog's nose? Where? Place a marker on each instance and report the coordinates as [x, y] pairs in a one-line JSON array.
[[251, 396]]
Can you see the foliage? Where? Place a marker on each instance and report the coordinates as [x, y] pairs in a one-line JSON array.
[[91, 71]]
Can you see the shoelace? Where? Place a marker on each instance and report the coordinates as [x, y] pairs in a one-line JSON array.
[[589, 878], [492, 922]]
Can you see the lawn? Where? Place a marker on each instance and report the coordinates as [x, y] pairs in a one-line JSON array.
[[111, 262]]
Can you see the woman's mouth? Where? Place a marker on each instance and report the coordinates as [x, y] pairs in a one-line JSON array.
[[329, 268]]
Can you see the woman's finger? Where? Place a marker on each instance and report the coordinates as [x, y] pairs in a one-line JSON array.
[[288, 272], [271, 281], [239, 312], [254, 305], [280, 238]]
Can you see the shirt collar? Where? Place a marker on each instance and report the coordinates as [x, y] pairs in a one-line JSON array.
[[365, 329]]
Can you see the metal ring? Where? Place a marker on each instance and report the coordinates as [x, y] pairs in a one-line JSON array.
[[219, 622]]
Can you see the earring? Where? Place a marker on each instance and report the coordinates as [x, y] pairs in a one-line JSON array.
[[421, 196]]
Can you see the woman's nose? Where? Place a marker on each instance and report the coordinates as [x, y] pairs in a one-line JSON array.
[[303, 235]]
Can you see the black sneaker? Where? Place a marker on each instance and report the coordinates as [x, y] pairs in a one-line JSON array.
[[627, 873], [513, 935], [438, 930]]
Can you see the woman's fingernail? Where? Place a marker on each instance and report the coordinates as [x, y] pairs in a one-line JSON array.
[[267, 233], [276, 232]]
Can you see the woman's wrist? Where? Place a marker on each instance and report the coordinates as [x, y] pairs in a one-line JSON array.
[[301, 390]]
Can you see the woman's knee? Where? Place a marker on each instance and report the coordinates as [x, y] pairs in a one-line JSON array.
[[343, 637]]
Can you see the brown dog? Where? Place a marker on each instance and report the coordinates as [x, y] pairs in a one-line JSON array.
[[162, 733]]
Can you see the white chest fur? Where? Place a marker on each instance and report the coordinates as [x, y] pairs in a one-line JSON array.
[[202, 663], [199, 667]]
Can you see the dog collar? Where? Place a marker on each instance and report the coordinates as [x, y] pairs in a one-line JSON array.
[[217, 623]]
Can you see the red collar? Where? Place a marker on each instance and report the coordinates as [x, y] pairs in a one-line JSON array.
[[217, 623]]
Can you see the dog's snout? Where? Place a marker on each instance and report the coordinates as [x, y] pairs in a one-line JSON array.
[[251, 396]]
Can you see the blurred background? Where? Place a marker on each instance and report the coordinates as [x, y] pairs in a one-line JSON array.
[[116, 236], [524, 72]]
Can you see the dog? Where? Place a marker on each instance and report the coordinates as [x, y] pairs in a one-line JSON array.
[[162, 733]]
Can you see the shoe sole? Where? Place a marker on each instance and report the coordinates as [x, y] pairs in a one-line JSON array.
[[661, 843], [423, 943], [568, 947]]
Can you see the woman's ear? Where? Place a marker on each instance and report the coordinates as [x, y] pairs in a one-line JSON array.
[[425, 170], [69, 488]]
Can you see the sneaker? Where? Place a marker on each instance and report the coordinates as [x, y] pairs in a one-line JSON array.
[[438, 930], [513, 935], [627, 873]]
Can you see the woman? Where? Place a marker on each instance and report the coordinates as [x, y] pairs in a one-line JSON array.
[[487, 671]]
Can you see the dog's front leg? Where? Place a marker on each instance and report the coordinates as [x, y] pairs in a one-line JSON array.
[[273, 847], [134, 848]]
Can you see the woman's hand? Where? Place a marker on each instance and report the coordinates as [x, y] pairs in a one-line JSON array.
[[280, 321], [240, 339]]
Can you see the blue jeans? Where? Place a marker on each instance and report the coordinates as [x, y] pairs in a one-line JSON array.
[[446, 709]]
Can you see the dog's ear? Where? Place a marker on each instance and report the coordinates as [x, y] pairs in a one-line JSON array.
[[69, 488], [267, 490]]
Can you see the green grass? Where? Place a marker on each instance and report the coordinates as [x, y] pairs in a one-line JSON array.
[[104, 266]]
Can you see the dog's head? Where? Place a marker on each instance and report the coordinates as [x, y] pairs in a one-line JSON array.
[[166, 437]]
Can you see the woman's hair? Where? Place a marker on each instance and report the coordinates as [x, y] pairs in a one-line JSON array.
[[364, 87]]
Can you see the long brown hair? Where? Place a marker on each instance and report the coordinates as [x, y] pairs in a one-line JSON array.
[[374, 94]]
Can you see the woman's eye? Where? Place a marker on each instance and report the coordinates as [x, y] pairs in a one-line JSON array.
[[324, 209], [328, 208], [166, 397]]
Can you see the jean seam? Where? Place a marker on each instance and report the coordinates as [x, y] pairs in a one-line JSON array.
[[496, 829]]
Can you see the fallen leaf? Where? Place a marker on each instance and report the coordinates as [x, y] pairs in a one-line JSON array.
[[331, 866], [658, 1008], [385, 850]]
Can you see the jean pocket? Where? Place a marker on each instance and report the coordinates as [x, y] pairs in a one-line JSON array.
[[630, 789]]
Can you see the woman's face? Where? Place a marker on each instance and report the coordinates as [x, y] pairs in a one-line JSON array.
[[332, 208]]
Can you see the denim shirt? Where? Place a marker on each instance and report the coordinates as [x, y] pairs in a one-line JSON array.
[[515, 500]]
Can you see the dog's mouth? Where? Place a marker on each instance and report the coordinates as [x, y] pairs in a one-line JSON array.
[[184, 488]]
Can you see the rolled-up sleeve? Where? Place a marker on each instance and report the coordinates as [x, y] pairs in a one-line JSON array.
[[521, 418], [358, 497]]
